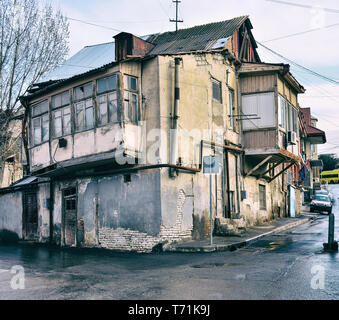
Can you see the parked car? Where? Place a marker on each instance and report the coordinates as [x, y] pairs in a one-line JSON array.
[[323, 192], [321, 203]]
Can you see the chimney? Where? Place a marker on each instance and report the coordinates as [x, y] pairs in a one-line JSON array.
[[129, 46]]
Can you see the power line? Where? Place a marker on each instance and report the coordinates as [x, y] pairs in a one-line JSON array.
[[304, 6], [298, 65], [93, 24], [302, 32]]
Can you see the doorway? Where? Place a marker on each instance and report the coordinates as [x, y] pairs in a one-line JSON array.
[[30, 215], [70, 216]]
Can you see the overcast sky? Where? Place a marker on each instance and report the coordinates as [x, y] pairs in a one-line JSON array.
[[317, 50]]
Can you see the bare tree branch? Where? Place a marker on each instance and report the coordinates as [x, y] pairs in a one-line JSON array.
[[33, 41]]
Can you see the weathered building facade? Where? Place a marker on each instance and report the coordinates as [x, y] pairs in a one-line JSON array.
[[121, 146]]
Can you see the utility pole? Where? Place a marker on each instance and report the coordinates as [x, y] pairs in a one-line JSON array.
[[176, 20]]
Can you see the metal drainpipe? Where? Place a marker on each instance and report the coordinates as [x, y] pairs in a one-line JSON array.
[[174, 127]]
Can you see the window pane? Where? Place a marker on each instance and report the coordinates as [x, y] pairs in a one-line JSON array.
[[103, 119], [40, 108], [134, 108], [126, 82], [66, 121], [57, 124], [83, 92], [65, 99], [56, 101], [89, 114], [126, 107], [45, 128], [89, 118], [101, 85], [112, 83], [106, 84], [130, 83], [113, 107], [80, 116], [37, 131], [133, 83]]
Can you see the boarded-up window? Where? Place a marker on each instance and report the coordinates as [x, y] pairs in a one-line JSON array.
[[216, 90], [262, 197], [262, 105]]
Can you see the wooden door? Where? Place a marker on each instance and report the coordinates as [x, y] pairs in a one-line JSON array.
[[70, 216], [30, 218]]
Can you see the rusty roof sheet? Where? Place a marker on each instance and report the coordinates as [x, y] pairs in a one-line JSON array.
[[89, 58], [203, 37]]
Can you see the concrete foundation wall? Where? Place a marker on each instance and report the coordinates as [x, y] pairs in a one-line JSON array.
[[115, 214]]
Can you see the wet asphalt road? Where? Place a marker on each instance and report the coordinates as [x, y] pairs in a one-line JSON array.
[[283, 266]]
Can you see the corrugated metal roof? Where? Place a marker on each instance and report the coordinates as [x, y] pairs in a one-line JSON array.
[[89, 58], [203, 37], [24, 182], [198, 38]]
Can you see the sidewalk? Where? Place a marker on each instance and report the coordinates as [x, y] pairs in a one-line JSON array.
[[233, 243]]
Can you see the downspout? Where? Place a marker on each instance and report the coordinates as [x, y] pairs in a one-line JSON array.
[[51, 209], [25, 136], [174, 126], [229, 211], [237, 182]]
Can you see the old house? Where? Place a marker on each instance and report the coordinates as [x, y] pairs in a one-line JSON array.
[[271, 142], [121, 142], [313, 166], [11, 161]]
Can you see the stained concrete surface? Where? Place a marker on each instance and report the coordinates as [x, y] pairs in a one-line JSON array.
[[278, 266]]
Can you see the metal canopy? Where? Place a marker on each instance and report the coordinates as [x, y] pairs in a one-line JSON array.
[[276, 159]]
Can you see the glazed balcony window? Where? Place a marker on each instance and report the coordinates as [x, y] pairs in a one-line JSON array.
[[84, 109], [61, 114], [107, 101], [40, 123], [131, 99]]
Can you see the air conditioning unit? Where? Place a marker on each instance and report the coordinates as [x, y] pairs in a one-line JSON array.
[[292, 137]]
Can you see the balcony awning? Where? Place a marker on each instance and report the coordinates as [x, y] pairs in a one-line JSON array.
[[275, 157]]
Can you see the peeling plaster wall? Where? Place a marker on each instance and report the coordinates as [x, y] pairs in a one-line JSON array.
[[11, 212], [115, 214], [275, 203], [43, 195], [200, 117]]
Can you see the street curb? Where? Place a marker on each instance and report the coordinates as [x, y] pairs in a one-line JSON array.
[[237, 245]]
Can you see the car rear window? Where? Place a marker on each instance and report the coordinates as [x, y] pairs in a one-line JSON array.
[[322, 198]]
